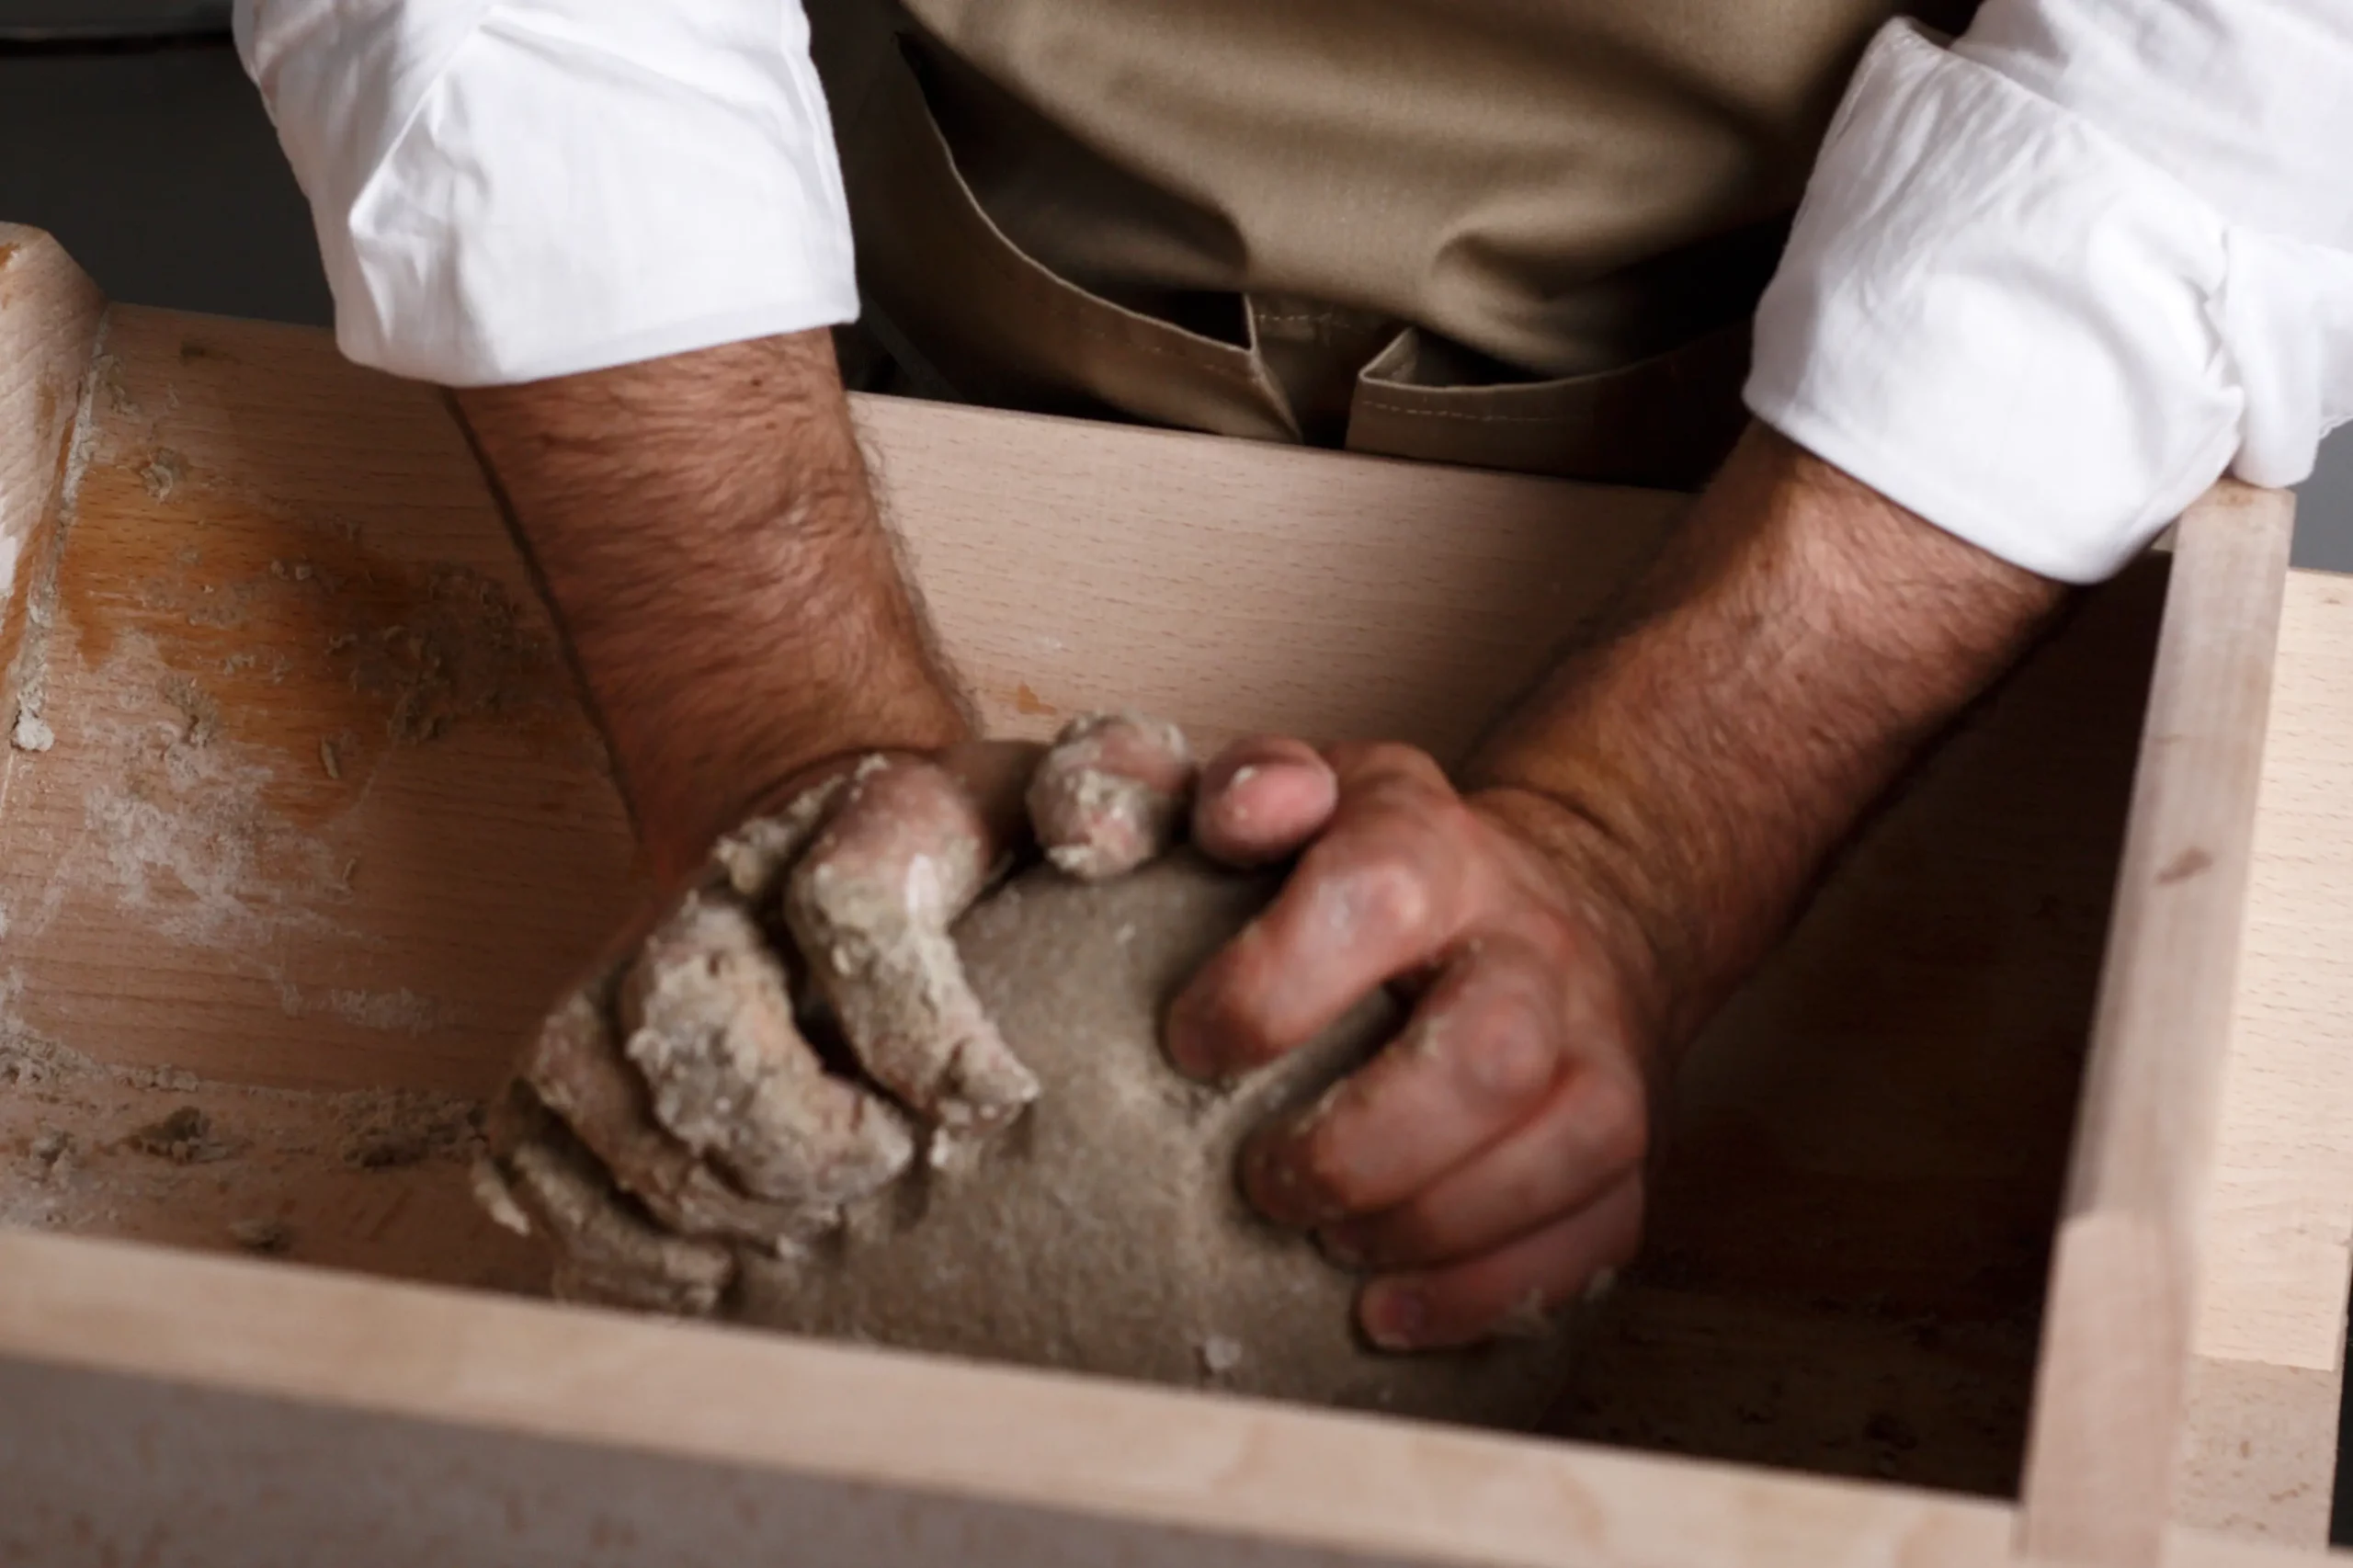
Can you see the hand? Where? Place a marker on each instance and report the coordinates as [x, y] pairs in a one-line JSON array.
[[679, 1075], [1653, 816], [1487, 1165]]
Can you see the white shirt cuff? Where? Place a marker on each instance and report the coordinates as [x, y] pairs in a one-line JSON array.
[[1998, 315], [512, 191]]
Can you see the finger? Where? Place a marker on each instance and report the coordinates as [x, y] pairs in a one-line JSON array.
[[1478, 1058], [755, 856], [870, 906], [1380, 893], [573, 1069], [1261, 799], [1111, 793], [1515, 1289], [604, 1252], [1586, 1138], [704, 1014]]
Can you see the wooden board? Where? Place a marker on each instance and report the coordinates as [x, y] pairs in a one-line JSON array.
[[48, 328], [1848, 1244], [2266, 1379], [225, 1413], [2120, 1323], [275, 551]]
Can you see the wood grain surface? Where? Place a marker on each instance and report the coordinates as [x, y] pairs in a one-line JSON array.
[[310, 1419], [2267, 1376], [49, 326], [2121, 1321], [280, 559], [324, 826], [224, 1414]]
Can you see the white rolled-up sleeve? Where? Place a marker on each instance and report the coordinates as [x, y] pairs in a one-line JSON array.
[[2050, 281], [505, 190]]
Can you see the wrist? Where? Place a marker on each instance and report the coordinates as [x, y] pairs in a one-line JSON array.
[[1613, 895], [686, 785], [1794, 646], [703, 529]]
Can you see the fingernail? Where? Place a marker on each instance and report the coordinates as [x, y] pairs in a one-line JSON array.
[[1232, 813], [1395, 1316]]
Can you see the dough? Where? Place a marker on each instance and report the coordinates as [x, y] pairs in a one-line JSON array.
[[1103, 1231]]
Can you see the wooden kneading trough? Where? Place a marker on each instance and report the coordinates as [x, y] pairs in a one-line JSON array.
[[301, 825]]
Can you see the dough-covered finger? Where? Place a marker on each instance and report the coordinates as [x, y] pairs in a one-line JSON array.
[[1111, 793], [604, 1252], [705, 1015], [756, 856], [870, 907], [573, 1069]]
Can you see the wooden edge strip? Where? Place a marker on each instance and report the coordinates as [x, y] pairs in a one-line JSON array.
[[234, 1412], [2188, 1548], [2118, 1322], [50, 317], [930, 1432]]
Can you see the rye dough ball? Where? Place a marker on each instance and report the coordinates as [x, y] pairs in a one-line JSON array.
[[1104, 1231]]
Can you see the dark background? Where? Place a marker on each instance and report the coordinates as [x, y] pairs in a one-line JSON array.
[[155, 166]]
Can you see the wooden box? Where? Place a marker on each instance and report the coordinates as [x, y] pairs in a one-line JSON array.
[[301, 824]]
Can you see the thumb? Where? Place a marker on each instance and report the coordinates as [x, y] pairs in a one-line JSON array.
[[1262, 799]]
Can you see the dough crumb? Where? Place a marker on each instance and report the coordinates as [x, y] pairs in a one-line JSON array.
[[31, 732], [388, 1147], [1527, 1320], [268, 1237], [1220, 1355], [185, 1138], [496, 1198]]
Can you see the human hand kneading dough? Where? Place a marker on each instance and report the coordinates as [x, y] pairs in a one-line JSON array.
[[678, 1081], [689, 1150], [1486, 1166], [1630, 841]]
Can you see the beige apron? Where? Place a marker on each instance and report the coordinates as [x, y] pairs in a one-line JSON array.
[[1517, 233]]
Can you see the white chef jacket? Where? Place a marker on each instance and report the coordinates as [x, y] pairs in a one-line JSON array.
[[2047, 282]]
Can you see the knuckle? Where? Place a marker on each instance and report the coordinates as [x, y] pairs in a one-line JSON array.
[[1397, 760], [1513, 1055], [1425, 802], [1374, 895]]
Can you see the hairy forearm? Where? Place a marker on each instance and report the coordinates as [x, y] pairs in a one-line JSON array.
[[1785, 658], [704, 530]]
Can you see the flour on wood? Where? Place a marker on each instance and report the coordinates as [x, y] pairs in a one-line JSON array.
[[375, 1180]]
